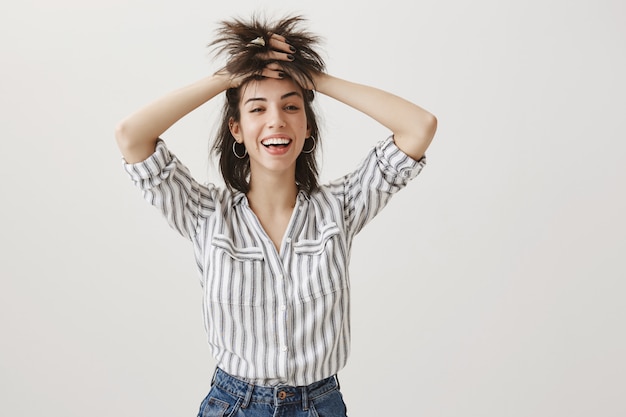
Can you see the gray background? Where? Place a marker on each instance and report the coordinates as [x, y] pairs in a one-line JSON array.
[[492, 286]]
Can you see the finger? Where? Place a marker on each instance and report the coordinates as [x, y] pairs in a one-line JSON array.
[[274, 66], [278, 37], [273, 73], [279, 43], [276, 56]]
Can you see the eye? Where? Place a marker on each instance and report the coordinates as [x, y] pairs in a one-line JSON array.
[[292, 107], [256, 110]]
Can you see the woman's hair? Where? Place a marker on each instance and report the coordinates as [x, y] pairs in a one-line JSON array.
[[233, 40]]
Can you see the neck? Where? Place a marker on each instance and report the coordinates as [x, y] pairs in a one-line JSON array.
[[273, 192]]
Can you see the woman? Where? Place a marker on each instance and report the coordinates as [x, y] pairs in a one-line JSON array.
[[273, 246]]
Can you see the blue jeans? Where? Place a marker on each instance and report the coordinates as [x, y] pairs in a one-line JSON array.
[[232, 397]]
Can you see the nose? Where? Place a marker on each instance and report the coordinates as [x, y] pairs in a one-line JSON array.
[[275, 117]]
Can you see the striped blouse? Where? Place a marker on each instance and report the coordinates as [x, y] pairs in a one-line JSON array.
[[275, 317]]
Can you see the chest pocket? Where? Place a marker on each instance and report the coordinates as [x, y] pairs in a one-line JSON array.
[[242, 254], [321, 263], [318, 245], [236, 273]]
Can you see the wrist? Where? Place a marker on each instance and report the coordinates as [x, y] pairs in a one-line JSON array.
[[322, 81], [222, 79]]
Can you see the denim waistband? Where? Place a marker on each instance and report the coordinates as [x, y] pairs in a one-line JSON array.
[[279, 395]]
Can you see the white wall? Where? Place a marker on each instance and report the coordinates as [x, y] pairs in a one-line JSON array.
[[502, 292]]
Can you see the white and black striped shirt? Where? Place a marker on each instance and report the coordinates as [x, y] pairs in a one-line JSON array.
[[275, 317]]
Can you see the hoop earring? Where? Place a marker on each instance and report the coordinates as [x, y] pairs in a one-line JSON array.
[[312, 147], [245, 151]]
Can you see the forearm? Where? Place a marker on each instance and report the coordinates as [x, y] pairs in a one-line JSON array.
[[137, 134], [413, 127]]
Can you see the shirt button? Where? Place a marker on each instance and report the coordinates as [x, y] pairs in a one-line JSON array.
[[283, 308], [284, 348], [279, 277]]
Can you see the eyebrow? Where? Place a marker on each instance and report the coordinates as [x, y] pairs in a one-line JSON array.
[[284, 96]]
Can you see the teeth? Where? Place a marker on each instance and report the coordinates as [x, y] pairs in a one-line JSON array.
[[276, 141]]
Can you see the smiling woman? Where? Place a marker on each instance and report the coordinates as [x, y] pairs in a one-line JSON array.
[[235, 166], [273, 117], [273, 246]]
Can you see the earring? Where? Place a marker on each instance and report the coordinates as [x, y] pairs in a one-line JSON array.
[[312, 146], [245, 151]]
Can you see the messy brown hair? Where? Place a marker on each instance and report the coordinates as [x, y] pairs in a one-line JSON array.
[[232, 41]]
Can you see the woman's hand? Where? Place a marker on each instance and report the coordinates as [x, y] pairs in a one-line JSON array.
[[279, 50]]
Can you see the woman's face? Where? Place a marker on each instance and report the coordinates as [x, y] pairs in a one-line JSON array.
[[272, 124]]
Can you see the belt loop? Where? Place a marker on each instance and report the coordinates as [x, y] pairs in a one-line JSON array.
[[337, 381], [305, 399], [248, 397], [275, 396], [213, 377]]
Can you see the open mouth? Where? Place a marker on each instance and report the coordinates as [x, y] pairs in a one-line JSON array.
[[276, 142]]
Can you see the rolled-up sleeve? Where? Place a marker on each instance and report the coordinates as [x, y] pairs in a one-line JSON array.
[[397, 167], [167, 184], [367, 190]]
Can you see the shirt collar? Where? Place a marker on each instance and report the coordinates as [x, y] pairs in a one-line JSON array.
[[240, 198]]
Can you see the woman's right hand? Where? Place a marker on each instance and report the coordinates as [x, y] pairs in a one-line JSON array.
[[280, 50]]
